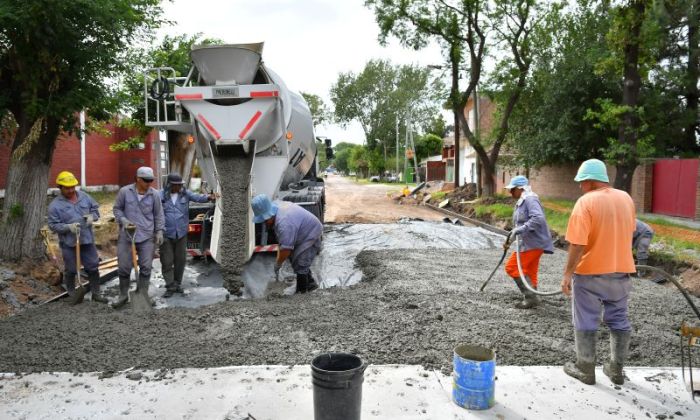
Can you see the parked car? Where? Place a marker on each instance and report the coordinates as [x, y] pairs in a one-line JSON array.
[[374, 178], [392, 178]]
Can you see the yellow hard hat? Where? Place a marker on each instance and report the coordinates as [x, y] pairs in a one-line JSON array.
[[66, 179]]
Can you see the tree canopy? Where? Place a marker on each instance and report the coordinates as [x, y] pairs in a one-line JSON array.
[[56, 59], [380, 94]]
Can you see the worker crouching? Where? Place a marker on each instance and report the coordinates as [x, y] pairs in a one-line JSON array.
[[298, 232], [530, 225]]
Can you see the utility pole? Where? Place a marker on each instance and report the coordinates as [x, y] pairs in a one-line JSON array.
[[405, 157], [83, 182], [397, 145], [415, 161]]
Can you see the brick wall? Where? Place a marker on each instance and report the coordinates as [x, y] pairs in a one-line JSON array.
[[103, 167], [558, 182]]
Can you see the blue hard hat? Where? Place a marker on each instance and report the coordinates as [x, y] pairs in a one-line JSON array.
[[517, 182], [263, 208], [592, 170]]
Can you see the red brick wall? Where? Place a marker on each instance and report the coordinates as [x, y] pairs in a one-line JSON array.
[[558, 182], [131, 160], [103, 167]]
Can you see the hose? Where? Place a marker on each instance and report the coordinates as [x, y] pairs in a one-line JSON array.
[[675, 283], [503, 257], [522, 276], [643, 267], [160, 88]]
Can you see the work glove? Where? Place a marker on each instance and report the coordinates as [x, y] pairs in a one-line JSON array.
[[127, 225], [74, 228], [278, 267], [518, 231], [88, 220], [159, 238]]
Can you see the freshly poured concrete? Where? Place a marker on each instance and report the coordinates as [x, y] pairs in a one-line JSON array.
[[389, 392]]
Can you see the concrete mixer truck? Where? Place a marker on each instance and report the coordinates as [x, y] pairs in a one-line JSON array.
[[248, 134]]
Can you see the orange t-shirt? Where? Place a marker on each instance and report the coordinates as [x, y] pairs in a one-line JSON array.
[[603, 220]]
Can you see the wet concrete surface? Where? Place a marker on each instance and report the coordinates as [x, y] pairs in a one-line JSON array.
[[413, 307]]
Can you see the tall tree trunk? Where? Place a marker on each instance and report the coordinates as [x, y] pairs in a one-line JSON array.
[[24, 209], [628, 131], [693, 75]]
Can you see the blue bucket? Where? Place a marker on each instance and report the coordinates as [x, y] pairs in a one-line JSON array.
[[473, 378]]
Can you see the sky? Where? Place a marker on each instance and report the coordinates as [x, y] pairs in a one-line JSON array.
[[307, 42]]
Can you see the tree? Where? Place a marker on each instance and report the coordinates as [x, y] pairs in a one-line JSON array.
[[551, 126], [319, 110], [380, 94], [462, 27], [359, 161], [428, 145], [174, 52], [342, 153], [56, 59]]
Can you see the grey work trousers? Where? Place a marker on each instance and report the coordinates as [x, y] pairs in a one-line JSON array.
[[301, 262], [144, 251], [173, 256], [642, 246], [88, 259]]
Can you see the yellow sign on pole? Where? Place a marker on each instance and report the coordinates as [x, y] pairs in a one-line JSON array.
[[409, 153]]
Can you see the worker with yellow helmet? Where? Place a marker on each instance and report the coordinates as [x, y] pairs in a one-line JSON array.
[[72, 213]]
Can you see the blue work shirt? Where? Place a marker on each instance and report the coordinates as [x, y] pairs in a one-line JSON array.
[[63, 212], [146, 214], [296, 228], [528, 216], [177, 215]]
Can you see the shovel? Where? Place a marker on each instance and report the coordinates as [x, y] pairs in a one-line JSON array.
[[139, 298], [79, 288]]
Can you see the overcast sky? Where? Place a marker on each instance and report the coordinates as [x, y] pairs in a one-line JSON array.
[[307, 42]]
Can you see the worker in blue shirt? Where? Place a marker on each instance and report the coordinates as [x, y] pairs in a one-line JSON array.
[[72, 212], [298, 232], [173, 252], [139, 213]]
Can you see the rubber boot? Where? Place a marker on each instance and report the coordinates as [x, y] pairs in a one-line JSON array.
[[619, 349], [530, 300], [123, 293], [94, 278], [302, 283], [143, 285], [311, 285], [584, 368], [641, 272]]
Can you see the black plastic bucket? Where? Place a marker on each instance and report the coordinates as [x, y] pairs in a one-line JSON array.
[[337, 380]]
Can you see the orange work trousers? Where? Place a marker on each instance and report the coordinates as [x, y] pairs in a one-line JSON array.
[[529, 260]]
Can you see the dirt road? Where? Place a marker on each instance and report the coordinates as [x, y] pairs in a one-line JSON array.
[[348, 202]]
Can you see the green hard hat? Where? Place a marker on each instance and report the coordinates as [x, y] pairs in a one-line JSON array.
[[592, 170]]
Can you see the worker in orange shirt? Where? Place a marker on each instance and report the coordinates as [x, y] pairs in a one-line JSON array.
[[598, 271], [530, 225]]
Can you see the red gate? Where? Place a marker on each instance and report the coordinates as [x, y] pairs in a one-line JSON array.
[[675, 187]]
